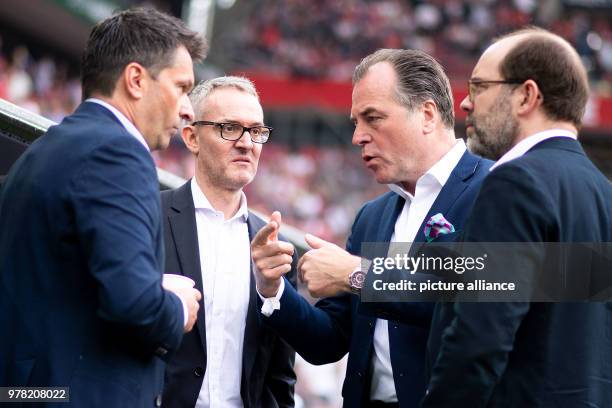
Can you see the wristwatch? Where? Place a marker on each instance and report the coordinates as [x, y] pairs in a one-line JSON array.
[[356, 280]]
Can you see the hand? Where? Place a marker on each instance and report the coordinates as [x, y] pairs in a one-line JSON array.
[[272, 257], [191, 297], [325, 269]]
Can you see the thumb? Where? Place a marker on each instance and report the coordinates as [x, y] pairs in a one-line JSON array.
[[316, 242], [264, 235], [276, 217]]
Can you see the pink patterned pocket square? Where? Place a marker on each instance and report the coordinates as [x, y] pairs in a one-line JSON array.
[[437, 225]]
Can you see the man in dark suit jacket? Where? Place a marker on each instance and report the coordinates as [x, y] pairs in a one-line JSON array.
[[527, 96], [403, 113], [230, 359], [81, 301]]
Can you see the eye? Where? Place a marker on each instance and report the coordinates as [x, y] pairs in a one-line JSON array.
[[372, 118], [183, 87], [230, 127]]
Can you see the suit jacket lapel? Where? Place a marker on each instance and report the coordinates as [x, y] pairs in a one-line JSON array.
[[387, 224], [185, 236], [452, 189], [252, 328]]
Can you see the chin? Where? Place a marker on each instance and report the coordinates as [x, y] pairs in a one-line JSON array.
[[163, 144], [239, 181], [383, 179]]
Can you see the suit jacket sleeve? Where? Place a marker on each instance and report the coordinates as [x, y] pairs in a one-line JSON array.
[[475, 347], [280, 377], [321, 333], [117, 215]]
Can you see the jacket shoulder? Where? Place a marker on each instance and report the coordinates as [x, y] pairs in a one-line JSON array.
[[377, 204]]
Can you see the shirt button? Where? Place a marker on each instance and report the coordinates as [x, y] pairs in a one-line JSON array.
[[198, 372]]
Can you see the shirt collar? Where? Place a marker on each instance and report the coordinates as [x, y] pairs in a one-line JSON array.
[[201, 202], [129, 126], [526, 144], [439, 172]]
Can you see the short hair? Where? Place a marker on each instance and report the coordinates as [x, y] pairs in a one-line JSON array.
[[200, 92], [420, 78], [143, 35], [555, 66]]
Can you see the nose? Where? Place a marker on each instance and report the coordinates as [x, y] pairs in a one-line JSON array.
[[466, 104], [186, 110], [245, 140], [360, 137]]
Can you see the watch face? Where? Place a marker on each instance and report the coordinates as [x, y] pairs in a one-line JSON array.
[[357, 279]]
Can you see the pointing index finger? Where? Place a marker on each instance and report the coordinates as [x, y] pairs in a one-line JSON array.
[[264, 235]]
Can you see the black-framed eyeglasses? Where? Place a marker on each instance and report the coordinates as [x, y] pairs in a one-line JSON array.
[[475, 84], [234, 131]]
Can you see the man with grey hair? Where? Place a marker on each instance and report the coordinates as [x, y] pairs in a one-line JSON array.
[[230, 359], [402, 109]]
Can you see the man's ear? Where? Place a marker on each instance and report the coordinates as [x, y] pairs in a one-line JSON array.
[[430, 112], [135, 79], [190, 138], [529, 97]]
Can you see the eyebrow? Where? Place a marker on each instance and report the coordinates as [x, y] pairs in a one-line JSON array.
[[367, 111]]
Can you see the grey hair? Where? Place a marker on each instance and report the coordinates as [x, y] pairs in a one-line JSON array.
[[200, 92], [420, 78]]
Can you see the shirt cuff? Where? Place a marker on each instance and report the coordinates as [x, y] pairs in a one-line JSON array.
[[273, 303], [185, 310]]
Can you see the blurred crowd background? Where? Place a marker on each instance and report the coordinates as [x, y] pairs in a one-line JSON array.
[[326, 39], [309, 171]]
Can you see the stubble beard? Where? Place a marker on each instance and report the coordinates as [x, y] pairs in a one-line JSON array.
[[494, 133]]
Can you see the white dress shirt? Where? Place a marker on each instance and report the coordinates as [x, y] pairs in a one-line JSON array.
[[225, 262], [526, 144], [413, 213]]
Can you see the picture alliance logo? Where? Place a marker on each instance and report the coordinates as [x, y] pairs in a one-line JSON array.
[[423, 263]]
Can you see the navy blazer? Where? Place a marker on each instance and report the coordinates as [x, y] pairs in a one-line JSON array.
[[531, 354], [268, 378], [81, 301], [325, 333]]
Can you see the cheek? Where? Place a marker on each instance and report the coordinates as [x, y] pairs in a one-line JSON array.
[[170, 98], [257, 153]]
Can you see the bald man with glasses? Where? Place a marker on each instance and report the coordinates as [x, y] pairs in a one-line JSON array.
[[230, 359]]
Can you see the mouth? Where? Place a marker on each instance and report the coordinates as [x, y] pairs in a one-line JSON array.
[[242, 160], [368, 159]]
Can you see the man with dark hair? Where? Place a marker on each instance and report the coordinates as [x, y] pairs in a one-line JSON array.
[[230, 359], [526, 99], [81, 252], [403, 115]]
